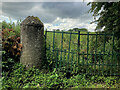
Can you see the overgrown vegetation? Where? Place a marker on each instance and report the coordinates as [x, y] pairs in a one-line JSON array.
[[107, 14], [19, 77], [11, 47], [14, 74]]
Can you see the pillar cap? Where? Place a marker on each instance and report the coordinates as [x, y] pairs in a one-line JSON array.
[[31, 20]]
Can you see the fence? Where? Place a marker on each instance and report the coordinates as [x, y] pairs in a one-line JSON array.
[[82, 52]]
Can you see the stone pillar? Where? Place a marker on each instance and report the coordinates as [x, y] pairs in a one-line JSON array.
[[32, 40]]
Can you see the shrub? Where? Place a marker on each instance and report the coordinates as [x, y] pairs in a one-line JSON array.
[[11, 46]]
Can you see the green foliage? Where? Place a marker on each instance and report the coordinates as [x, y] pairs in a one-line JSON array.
[[7, 64], [108, 18], [108, 13], [19, 77], [105, 45], [11, 46], [11, 28], [57, 29], [6, 25]]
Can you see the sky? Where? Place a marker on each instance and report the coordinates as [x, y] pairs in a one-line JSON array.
[[54, 15]]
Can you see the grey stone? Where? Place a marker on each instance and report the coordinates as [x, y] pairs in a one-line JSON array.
[[32, 40]]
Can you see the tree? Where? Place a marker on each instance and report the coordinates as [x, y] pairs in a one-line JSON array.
[[108, 14], [78, 29], [70, 30], [83, 29], [57, 29]]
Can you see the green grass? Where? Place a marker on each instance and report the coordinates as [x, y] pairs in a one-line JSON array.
[[86, 63]]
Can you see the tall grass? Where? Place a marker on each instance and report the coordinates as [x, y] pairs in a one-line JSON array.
[[97, 60]]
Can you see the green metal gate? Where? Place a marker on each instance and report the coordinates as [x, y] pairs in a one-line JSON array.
[[82, 52]]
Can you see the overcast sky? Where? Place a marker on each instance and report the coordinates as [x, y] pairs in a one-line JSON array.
[[54, 15]]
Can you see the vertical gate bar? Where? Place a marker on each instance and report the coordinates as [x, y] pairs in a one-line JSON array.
[[84, 68], [87, 51], [61, 49], [104, 53], [112, 50], [91, 65], [95, 53], [69, 50], [57, 58], [76, 62], [64, 57], [99, 62], [107, 64], [78, 48], [53, 38], [116, 67], [53, 44], [72, 61]]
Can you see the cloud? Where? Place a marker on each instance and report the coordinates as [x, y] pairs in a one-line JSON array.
[[66, 9], [42, 1], [0, 11], [47, 11], [16, 10], [62, 15], [22, 10], [68, 23], [60, 0]]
